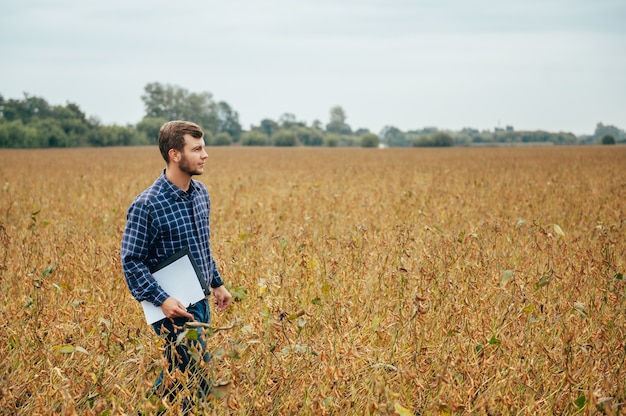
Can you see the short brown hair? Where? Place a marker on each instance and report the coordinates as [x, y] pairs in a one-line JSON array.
[[172, 136]]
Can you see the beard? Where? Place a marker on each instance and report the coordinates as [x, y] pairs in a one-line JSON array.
[[185, 166]]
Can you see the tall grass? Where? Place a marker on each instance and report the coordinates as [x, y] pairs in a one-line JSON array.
[[366, 281]]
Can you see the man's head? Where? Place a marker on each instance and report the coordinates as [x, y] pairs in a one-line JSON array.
[[172, 136]]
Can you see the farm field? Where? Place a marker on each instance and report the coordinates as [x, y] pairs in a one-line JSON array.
[[467, 281]]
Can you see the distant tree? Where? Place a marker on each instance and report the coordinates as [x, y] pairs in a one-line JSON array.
[[222, 139], [76, 111], [285, 138], [287, 120], [254, 138], [172, 102], [150, 126], [117, 136], [337, 123], [332, 140], [73, 122], [483, 137], [369, 140], [269, 127], [19, 135], [317, 125], [608, 130], [439, 139], [4, 135], [394, 137], [50, 133], [421, 141], [442, 139], [564, 138], [26, 109], [209, 138], [309, 136], [608, 139], [228, 121], [470, 131]]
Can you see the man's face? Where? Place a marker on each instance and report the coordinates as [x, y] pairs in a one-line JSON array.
[[193, 156]]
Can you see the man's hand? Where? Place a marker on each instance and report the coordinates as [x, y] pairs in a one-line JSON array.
[[172, 308], [222, 297]]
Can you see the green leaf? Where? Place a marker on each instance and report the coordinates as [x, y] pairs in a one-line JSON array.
[[218, 353], [239, 293], [375, 323], [192, 334], [506, 276], [494, 341], [295, 315], [316, 301], [47, 271], [580, 401], [63, 349], [244, 236], [13, 342], [325, 289], [543, 281]]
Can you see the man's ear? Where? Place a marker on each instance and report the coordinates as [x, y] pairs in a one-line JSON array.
[[174, 155]]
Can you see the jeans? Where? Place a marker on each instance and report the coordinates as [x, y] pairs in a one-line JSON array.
[[187, 355]]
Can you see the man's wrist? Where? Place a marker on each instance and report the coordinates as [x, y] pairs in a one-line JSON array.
[[160, 298]]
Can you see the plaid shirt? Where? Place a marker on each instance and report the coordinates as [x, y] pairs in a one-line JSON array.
[[162, 220]]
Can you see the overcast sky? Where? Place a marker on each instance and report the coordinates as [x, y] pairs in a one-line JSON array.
[[556, 65]]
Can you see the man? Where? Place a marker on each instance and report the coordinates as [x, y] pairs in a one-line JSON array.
[[171, 215]]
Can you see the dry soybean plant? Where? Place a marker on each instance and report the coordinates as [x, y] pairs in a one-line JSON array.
[[365, 281]]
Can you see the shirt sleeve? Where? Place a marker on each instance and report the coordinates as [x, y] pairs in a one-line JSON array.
[[134, 253], [216, 280]]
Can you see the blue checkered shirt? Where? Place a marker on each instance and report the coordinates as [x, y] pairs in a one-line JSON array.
[[162, 220]]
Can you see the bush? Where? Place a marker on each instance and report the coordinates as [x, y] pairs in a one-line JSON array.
[[150, 126], [254, 138], [285, 138], [608, 139], [222, 139], [370, 140], [332, 140], [309, 137], [439, 139]]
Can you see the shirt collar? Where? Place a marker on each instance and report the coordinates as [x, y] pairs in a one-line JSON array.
[[175, 191]]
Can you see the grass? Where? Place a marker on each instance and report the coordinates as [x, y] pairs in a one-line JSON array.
[[367, 281]]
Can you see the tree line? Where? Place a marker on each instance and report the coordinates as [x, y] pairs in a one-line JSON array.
[[31, 122]]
